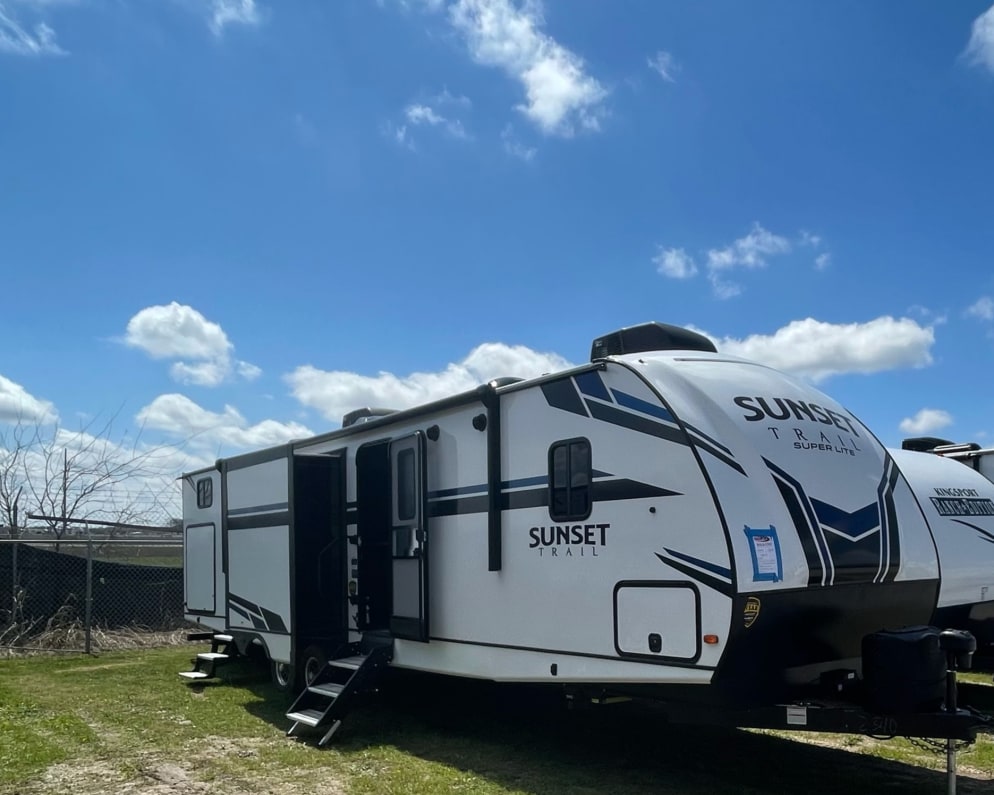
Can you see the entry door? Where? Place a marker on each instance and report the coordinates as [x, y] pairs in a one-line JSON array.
[[409, 538]]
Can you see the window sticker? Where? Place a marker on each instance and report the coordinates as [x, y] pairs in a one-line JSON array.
[[767, 564]]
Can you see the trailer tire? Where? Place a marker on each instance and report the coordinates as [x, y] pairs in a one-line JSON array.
[[314, 660], [282, 675]]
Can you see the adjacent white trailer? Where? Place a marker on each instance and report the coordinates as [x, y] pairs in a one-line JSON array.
[[664, 521]]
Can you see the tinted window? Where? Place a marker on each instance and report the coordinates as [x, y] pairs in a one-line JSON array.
[[205, 493], [570, 475], [406, 492]]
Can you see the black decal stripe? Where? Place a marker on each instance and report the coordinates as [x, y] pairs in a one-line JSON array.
[[259, 520], [636, 423], [720, 586], [714, 568], [644, 406], [562, 394], [273, 506], [592, 384], [889, 510], [602, 491], [479, 488], [260, 617], [987, 536], [709, 439], [527, 498], [805, 525], [479, 503], [720, 456], [252, 607], [625, 489], [273, 622], [352, 516]]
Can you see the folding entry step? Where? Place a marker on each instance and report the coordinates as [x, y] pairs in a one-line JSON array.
[[325, 702], [205, 665]]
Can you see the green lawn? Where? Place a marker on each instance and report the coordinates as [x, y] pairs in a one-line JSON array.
[[125, 722]]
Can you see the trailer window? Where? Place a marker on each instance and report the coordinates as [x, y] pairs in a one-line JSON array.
[[570, 473], [205, 493], [406, 491]]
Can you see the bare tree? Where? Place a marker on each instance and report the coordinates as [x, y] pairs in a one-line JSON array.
[[82, 474], [14, 443]]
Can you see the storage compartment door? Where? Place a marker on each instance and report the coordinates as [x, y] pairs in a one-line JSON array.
[[657, 620], [199, 568]]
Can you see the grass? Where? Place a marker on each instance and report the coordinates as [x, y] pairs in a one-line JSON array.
[[125, 721]]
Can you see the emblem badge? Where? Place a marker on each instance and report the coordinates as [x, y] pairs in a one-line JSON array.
[[750, 612]]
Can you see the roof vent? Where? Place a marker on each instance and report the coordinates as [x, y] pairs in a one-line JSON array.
[[649, 337], [364, 415]]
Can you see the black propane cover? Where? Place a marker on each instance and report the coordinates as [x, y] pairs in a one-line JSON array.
[[904, 670]]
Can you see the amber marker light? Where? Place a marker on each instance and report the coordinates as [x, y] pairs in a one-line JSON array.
[[711, 640]]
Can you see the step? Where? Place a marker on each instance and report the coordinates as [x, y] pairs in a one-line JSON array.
[[348, 662], [193, 674], [213, 656], [223, 638], [329, 689], [310, 717]]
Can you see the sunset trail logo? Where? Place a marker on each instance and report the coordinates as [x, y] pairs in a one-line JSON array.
[[568, 541]]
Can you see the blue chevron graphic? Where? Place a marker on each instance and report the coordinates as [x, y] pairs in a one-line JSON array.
[[854, 525]]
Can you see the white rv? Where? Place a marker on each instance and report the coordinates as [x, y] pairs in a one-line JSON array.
[[664, 521]]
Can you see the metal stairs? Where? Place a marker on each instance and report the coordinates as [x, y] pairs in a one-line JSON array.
[[331, 695], [205, 665]]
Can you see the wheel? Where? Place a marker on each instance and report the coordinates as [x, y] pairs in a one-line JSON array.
[[282, 675], [314, 660]]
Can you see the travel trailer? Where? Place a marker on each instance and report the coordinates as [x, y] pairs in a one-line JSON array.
[[969, 453], [664, 521]]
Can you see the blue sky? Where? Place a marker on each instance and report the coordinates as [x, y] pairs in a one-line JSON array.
[[229, 221]]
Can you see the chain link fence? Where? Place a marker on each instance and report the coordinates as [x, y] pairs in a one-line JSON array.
[[90, 591]]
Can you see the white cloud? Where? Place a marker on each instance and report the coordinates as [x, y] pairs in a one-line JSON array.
[[233, 12], [822, 261], [560, 95], [420, 115], [248, 371], [446, 97], [514, 147], [177, 331], [806, 238], [17, 404], [926, 421], [15, 39], [752, 251], [675, 263], [335, 393], [816, 350], [399, 135], [983, 308], [179, 416], [980, 49], [663, 64], [723, 289]]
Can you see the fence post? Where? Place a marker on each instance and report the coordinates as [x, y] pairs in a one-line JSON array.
[[89, 588], [15, 537]]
